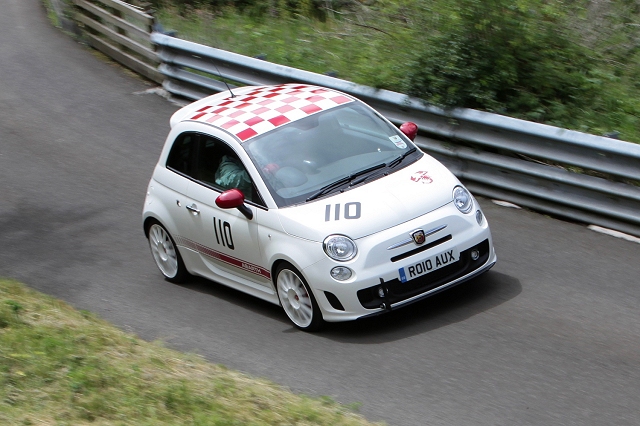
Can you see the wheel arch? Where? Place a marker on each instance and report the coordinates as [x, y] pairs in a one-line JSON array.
[[181, 270], [281, 261], [146, 224], [318, 320], [274, 269], [151, 217], [306, 254]]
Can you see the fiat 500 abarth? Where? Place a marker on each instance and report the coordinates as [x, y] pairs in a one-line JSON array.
[[308, 198]]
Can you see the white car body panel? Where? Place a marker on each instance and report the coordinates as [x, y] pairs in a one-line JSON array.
[[221, 250], [383, 203]]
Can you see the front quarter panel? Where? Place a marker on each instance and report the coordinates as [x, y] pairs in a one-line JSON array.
[[279, 246]]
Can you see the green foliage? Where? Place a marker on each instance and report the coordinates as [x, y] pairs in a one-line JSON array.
[[15, 306], [573, 64], [316, 9], [505, 56]]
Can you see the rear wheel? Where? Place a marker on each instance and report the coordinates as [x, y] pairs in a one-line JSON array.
[[166, 255], [297, 299]]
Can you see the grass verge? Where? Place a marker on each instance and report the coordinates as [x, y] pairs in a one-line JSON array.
[[62, 366]]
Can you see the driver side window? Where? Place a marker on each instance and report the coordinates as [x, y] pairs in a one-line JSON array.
[[212, 162], [219, 166]]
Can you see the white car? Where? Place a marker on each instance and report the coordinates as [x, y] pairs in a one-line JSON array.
[[308, 198]]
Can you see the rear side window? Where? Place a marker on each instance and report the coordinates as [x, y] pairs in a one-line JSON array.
[[182, 153]]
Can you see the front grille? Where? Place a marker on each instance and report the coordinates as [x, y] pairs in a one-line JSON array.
[[421, 248], [398, 291]]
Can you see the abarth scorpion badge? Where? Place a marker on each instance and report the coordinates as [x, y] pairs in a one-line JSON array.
[[418, 236]]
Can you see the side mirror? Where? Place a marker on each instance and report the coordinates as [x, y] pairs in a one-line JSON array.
[[234, 199], [410, 129]]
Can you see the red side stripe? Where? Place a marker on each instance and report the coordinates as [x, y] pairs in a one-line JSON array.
[[239, 263]]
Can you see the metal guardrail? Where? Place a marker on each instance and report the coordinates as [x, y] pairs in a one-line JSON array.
[[570, 174], [121, 31]]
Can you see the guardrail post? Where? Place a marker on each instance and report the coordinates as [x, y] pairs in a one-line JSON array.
[[121, 31]]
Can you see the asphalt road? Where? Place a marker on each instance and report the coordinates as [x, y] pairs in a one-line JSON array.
[[550, 336]]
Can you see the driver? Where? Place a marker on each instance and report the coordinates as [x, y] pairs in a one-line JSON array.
[[231, 174]]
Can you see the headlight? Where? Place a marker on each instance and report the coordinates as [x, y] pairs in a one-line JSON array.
[[340, 247], [462, 199]]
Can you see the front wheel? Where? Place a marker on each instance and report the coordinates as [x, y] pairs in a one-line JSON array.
[[166, 254], [297, 299]]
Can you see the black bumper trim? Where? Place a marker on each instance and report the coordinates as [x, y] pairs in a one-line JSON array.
[[396, 291], [431, 292]]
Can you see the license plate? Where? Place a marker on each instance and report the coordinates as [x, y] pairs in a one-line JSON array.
[[429, 265]]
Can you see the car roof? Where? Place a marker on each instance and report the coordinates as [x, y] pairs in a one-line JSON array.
[[255, 110]]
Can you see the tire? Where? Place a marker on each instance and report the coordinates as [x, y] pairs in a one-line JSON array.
[[166, 255], [297, 299]]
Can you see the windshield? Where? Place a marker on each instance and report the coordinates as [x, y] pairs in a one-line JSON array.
[[307, 158]]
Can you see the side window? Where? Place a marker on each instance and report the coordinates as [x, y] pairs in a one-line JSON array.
[[219, 166], [182, 152], [209, 156]]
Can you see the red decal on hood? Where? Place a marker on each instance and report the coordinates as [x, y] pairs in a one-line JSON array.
[[422, 177]]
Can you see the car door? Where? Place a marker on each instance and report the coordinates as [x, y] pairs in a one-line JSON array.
[[173, 180], [226, 239]]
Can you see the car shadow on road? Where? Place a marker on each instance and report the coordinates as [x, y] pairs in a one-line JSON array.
[[238, 298], [451, 306]]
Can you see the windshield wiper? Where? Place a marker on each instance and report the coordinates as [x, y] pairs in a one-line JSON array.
[[399, 159], [352, 178], [362, 178], [347, 179]]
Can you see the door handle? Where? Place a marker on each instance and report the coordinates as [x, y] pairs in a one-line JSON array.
[[193, 209]]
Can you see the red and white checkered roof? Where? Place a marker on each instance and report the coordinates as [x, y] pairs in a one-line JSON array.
[[266, 108]]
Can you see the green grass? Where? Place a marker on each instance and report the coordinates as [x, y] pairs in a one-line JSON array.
[[351, 51], [377, 44], [51, 13], [67, 367]]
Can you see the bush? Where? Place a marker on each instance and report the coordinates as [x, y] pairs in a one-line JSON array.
[[571, 64], [316, 9], [506, 57]]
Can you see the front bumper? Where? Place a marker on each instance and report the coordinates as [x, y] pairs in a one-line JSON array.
[[393, 301], [397, 293]]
